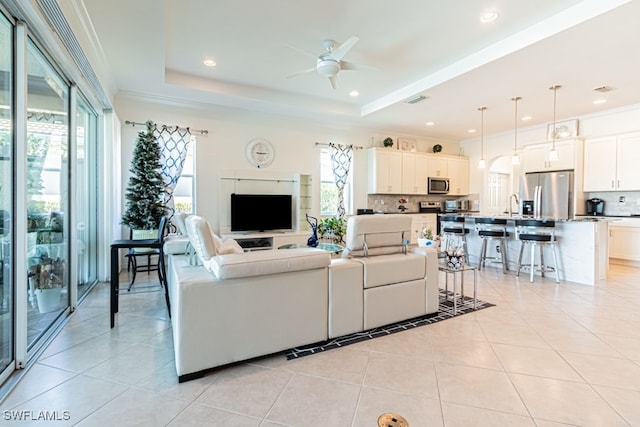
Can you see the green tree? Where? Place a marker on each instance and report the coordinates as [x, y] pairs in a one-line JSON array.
[[145, 190]]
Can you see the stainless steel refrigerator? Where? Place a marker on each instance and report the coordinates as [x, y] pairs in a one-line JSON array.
[[547, 194]]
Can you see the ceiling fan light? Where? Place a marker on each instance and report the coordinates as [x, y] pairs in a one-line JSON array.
[[327, 67]]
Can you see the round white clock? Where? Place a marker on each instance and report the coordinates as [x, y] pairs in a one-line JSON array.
[[259, 152]]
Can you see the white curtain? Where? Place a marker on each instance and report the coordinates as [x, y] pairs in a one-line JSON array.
[[340, 164], [174, 143]]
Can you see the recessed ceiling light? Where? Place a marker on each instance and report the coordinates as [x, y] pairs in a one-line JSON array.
[[471, 131], [599, 101], [209, 62], [488, 16], [526, 118], [354, 93], [429, 123]]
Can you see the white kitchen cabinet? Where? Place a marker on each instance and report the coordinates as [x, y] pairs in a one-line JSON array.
[[421, 221], [624, 239], [535, 158], [414, 173], [600, 164], [385, 171], [438, 166], [628, 153], [610, 164], [458, 170]]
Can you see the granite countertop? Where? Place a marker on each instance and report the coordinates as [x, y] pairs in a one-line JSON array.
[[578, 218]]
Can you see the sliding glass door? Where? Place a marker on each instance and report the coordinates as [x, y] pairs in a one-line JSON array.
[[48, 167], [86, 208], [47, 194], [6, 202]]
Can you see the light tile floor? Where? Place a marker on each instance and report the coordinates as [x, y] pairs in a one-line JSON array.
[[546, 355]]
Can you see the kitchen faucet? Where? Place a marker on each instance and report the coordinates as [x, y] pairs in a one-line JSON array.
[[511, 197]]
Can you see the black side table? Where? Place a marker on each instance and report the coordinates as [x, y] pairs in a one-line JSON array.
[[128, 244]]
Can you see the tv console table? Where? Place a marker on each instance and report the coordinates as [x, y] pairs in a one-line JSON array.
[[267, 241]]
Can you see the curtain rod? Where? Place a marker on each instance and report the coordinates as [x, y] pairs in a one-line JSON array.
[[355, 147], [200, 131]]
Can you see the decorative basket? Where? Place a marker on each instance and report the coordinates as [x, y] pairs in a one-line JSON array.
[[454, 261]]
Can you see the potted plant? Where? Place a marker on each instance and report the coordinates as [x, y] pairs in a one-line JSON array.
[[333, 228], [47, 279], [425, 238], [145, 189], [402, 205], [388, 142]]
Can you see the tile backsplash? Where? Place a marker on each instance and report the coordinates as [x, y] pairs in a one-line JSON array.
[[388, 203], [618, 202]]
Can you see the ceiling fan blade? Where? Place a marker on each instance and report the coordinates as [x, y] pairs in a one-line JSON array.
[[344, 65], [299, 73], [304, 52], [339, 52], [334, 82]]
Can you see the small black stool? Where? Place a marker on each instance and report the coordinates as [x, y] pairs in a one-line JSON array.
[[493, 229], [537, 233]]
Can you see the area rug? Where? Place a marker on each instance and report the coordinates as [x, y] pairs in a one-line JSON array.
[[445, 311]]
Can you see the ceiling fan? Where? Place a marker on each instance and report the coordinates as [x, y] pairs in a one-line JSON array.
[[330, 63]]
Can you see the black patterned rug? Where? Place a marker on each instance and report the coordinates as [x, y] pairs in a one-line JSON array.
[[445, 311]]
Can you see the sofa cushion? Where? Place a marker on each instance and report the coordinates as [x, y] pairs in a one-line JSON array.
[[396, 268], [260, 263], [371, 235], [229, 246], [176, 244], [179, 219], [201, 237]]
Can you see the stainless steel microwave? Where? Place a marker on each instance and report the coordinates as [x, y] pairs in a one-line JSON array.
[[438, 185]]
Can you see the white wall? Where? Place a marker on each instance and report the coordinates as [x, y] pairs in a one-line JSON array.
[[229, 132]]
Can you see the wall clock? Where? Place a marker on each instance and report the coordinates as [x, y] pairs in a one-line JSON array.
[[259, 152]]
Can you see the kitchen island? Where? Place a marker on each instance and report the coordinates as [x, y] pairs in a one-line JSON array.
[[582, 248]]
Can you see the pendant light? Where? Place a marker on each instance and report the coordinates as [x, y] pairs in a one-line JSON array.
[[481, 163], [515, 160], [553, 154]]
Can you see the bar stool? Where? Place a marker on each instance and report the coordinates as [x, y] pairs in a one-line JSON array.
[[537, 233], [493, 229], [453, 227]]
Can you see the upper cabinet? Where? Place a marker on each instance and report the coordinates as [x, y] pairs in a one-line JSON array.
[[610, 164], [438, 166], [385, 171], [403, 172], [535, 158], [458, 170], [414, 173]]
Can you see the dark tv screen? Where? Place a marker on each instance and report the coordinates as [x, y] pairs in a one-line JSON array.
[[261, 212]]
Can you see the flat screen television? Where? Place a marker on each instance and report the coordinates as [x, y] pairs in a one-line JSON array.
[[261, 212]]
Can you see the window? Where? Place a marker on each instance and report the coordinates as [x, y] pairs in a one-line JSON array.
[[328, 189], [183, 195]]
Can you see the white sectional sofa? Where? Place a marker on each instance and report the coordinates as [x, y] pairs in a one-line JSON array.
[[235, 306]]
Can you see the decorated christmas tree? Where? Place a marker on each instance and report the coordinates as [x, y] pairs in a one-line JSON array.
[[145, 190]]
